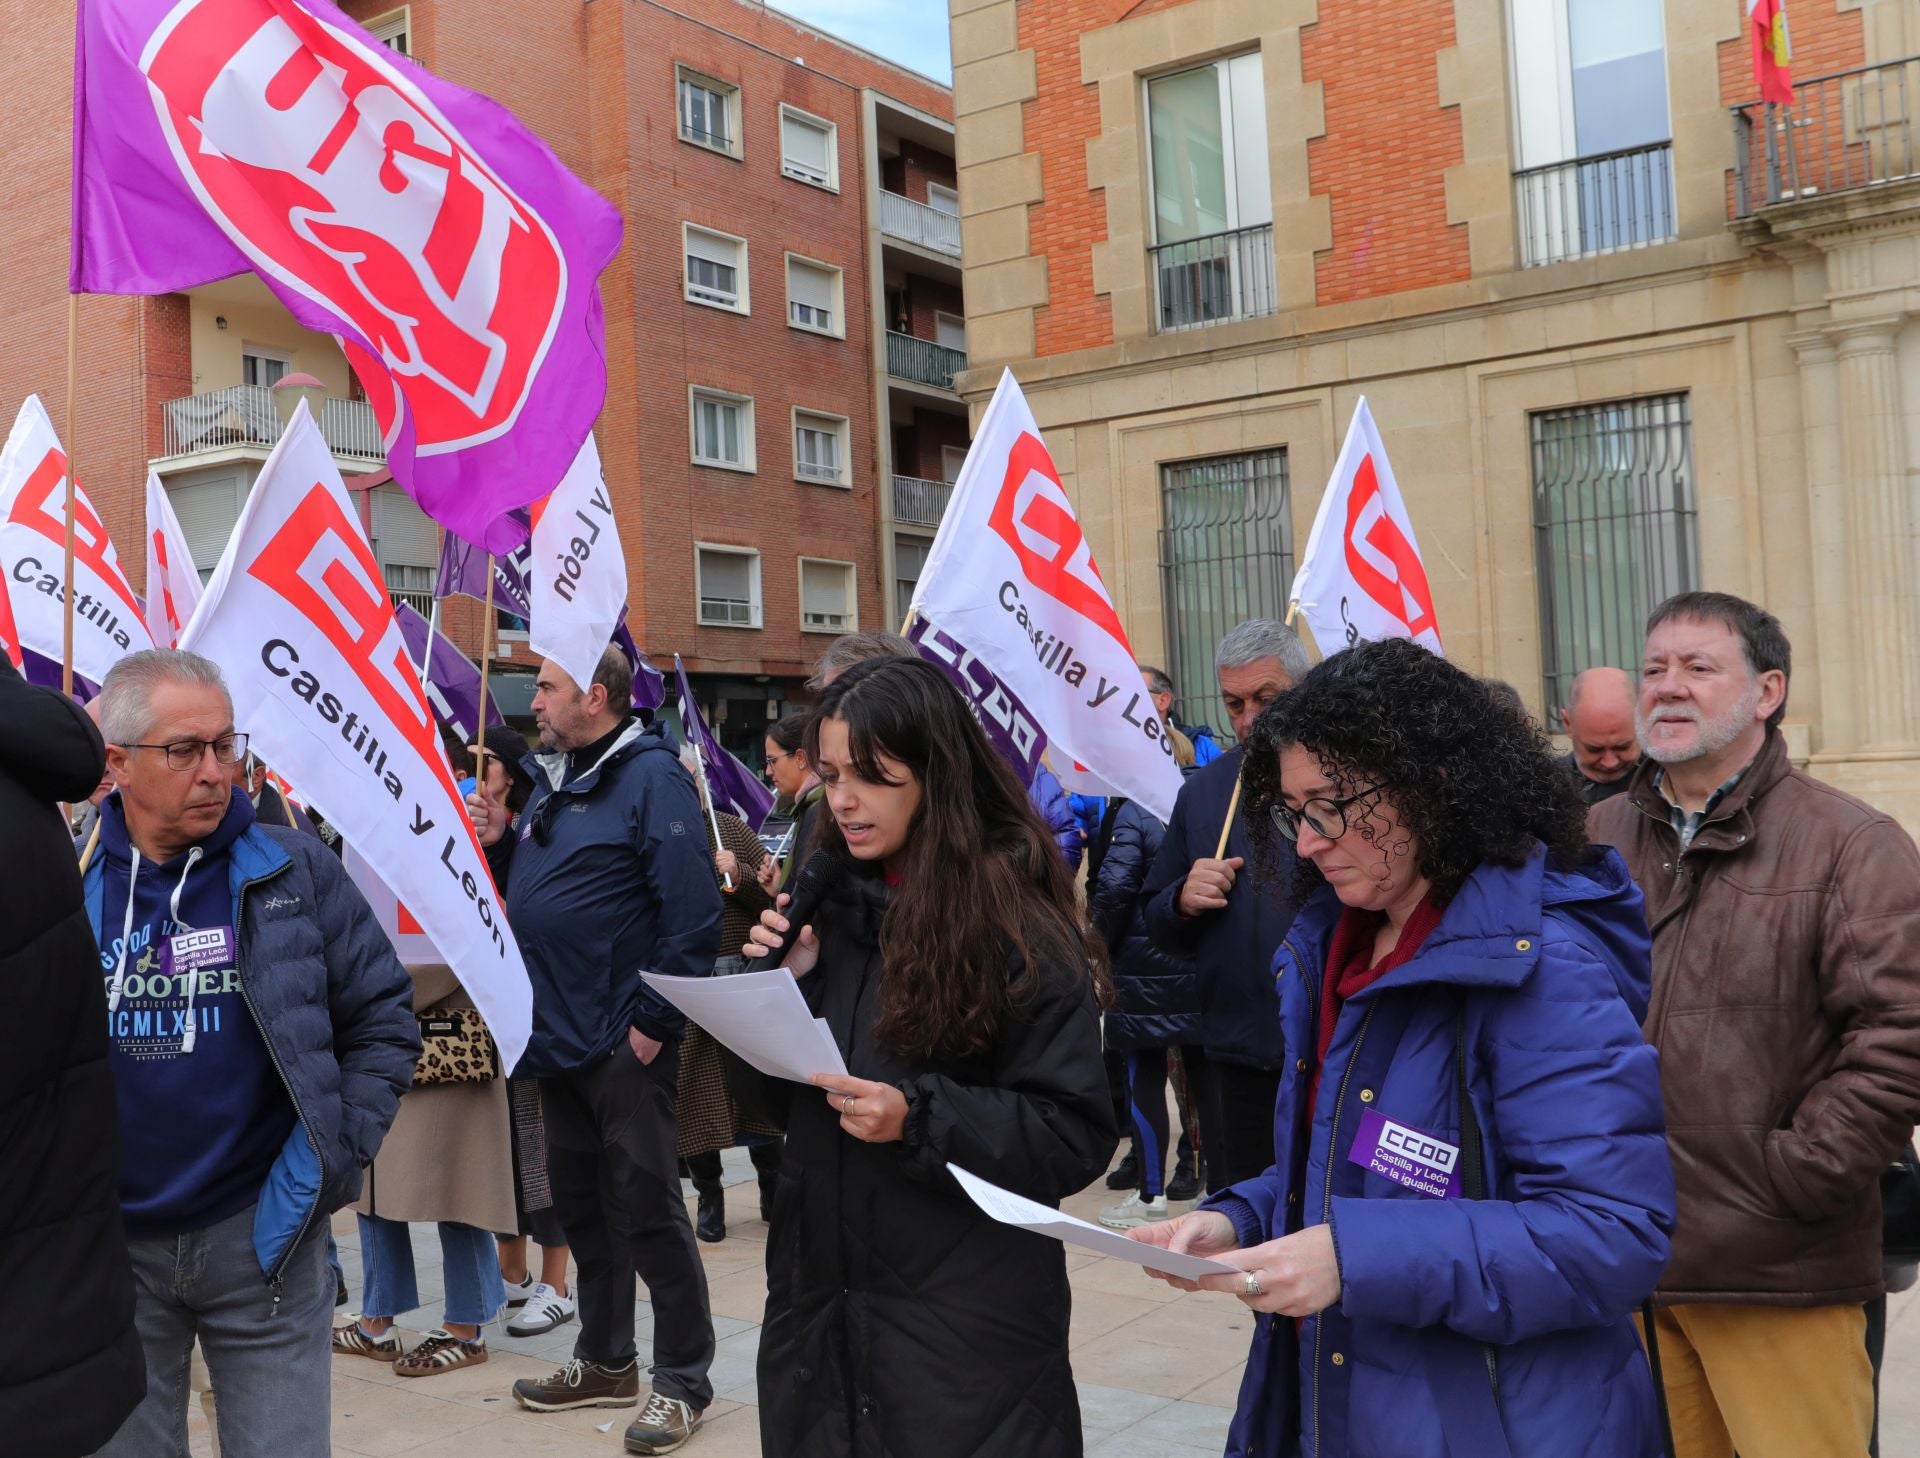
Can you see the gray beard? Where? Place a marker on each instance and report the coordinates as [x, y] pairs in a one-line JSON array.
[[1714, 734]]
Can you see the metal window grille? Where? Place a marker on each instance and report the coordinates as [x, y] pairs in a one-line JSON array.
[[1226, 555], [1616, 529]]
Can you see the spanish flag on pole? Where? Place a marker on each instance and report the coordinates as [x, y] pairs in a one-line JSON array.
[[1772, 51]]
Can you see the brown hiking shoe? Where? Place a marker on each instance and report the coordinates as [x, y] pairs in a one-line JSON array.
[[580, 1384], [663, 1425]]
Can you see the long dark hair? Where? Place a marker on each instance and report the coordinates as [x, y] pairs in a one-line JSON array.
[[1474, 780], [981, 882]]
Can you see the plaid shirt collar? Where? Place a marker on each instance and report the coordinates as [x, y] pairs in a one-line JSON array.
[[1686, 824]]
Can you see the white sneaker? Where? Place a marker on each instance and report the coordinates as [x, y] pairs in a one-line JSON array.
[[519, 1291], [1131, 1211], [546, 1308]]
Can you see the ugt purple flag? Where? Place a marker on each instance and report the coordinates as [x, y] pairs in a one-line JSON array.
[[463, 573], [1010, 728], [731, 785], [649, 684], [420, 224], [453, 683]]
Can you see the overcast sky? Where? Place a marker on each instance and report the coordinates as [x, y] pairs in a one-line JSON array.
[[912, 33]]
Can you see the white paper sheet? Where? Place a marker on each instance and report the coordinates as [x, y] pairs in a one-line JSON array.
[[1011, 1209], [759, 1015]]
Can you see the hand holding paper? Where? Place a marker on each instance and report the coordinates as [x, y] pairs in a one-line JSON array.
[[1011, 1209], [759, 1015]]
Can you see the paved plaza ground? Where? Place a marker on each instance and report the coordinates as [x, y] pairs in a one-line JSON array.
[[1158, 1369]]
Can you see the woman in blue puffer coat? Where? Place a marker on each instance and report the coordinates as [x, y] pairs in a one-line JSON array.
[[1471, 1190]]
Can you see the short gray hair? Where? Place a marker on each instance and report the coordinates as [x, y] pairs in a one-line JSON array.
[[1157, 680], [1261, 638], [854, 648], [126, 695]]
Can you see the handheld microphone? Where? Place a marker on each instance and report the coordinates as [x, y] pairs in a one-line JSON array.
[[816, 881]]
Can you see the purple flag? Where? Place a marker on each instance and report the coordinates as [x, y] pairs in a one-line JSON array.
[[421, 224], [463, 573], [731, 785], [46, 672], [649, 684], [453, 683], [1011, 729]]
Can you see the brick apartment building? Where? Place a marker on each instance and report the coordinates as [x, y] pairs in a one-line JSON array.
[[1627, 330], [783, 326]]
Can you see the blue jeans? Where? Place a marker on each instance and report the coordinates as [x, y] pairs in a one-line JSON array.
[[470, 1263], [270, 1368]]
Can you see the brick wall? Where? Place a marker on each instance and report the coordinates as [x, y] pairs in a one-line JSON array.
[[917, 166], [917, 447], [1387, 144]]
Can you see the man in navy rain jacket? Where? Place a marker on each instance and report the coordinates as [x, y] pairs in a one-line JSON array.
[[609, 876]]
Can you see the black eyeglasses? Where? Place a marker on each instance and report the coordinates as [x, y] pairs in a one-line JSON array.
[[1326, 815], [186, 754]]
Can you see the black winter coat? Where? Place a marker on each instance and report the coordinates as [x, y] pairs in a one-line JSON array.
[[1239, 1010], [1156, 1002], [901, 1321], [73, 1370]]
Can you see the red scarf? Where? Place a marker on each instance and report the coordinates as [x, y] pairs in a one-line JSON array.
[[1350, 968]]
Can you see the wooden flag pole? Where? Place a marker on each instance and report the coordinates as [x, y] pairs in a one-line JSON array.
[[93, 839], [486, 663], [1226, 826], [1293, 611], [73, 412]]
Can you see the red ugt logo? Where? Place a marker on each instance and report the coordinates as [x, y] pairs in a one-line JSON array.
[[1380, 544], [1040, 527], [337, 176]]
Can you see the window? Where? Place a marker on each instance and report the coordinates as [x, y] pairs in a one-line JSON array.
[[262, 366], [709, 111], [1615, 530], [1226, 555], [207, 506], [1212, 207], [809, 149], [951, 331], [814, 296], [909, 561], [943, 199], [393, 30], [722, 430], [727, 580], [716, 269], [1591, 127], [820, 447], [952, 458], [826, 597], [407, 546]]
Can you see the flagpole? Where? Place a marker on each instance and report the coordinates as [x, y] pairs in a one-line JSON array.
[[699, 758], [426, 653], [73, 411], [1226, 826], [486, 662]]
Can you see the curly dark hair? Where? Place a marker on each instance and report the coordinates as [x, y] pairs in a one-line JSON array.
[[1473, 781]]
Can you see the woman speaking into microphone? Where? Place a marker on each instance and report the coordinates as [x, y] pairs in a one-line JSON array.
[[945, 949]]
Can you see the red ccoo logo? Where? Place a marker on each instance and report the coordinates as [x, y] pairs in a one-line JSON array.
[[1033, 516], [332, 171]]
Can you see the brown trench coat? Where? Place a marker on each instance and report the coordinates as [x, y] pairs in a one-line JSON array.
[[449, 1154]]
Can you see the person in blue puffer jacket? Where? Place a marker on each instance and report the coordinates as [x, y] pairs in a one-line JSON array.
[[1471, 1192], [1049, 797]]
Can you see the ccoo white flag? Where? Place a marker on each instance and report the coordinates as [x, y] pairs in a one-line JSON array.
[[173, 583], [1011, 576], [1361, 578], [9, 634], [576, 572], [33, 531], [298, 618]]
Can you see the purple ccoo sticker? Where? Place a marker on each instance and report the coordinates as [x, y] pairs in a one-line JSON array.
[[1405, 1155], [197, 951]]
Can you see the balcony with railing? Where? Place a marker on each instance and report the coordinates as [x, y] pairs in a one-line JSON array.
[[919, 502], [919, 224], [1594, 205], [923, 361], [1214, 279], [1843, 133], [246, 415]]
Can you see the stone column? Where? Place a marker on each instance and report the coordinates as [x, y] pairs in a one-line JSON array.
[[1835, 641], [1881, 551]]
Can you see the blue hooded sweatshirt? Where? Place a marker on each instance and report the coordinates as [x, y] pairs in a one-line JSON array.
[[203, 1114]]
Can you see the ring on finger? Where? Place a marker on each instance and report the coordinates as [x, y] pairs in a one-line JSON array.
[[846, 1103], [1251, 1286]]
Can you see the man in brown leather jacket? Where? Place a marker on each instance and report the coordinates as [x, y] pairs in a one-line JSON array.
[[1786, 1008]]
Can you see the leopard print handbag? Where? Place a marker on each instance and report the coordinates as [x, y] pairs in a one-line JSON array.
[[455, 1047]]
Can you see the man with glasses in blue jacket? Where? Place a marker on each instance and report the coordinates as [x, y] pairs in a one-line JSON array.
[[261, 1032]]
